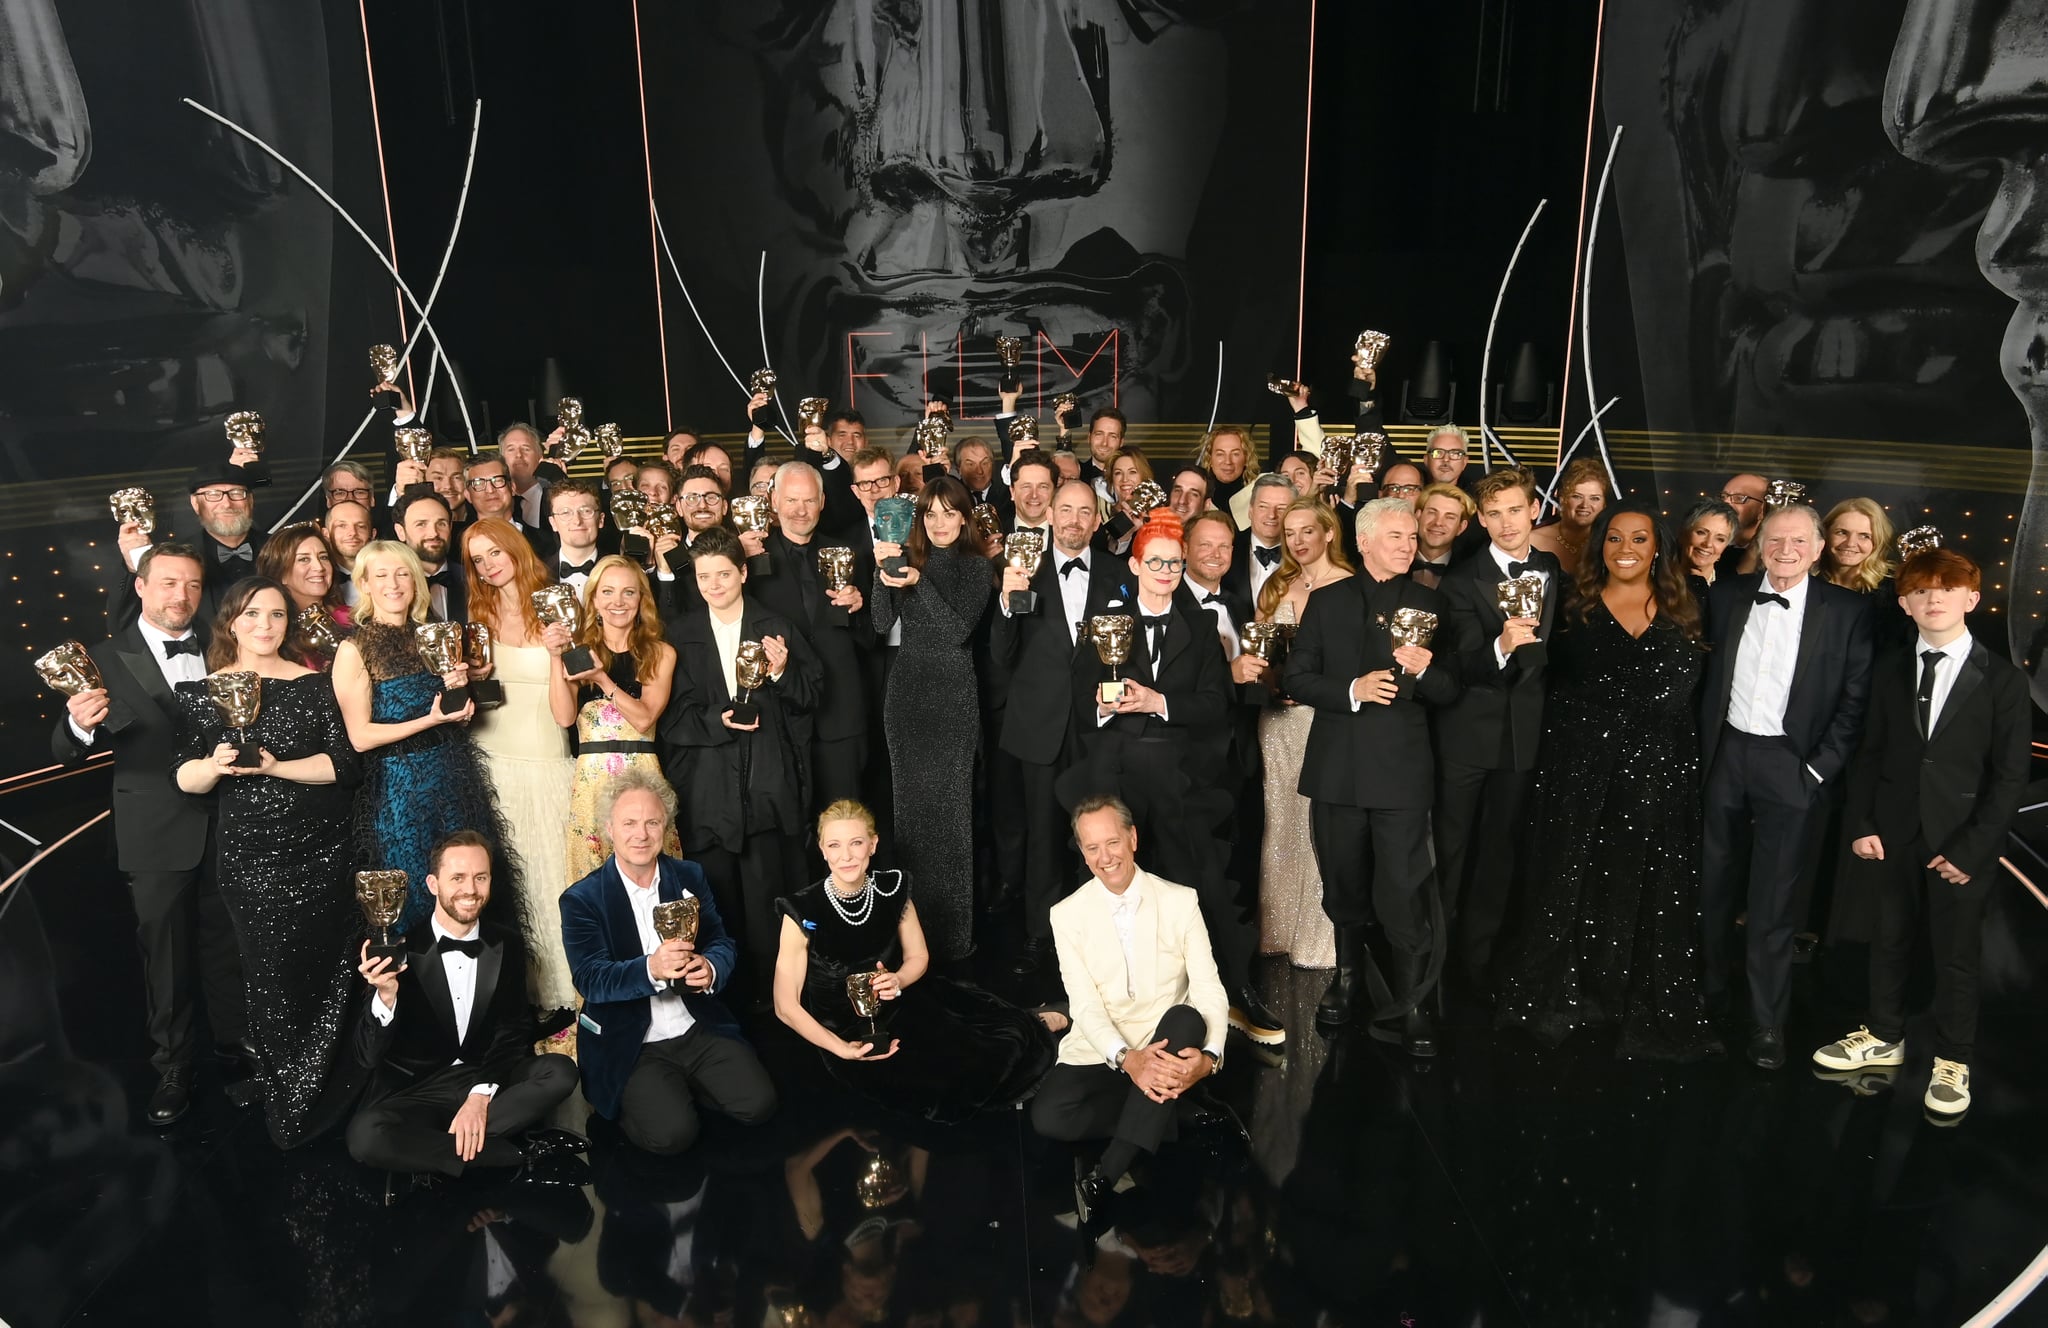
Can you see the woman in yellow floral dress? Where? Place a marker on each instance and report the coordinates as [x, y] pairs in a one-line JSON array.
[[619, 702]]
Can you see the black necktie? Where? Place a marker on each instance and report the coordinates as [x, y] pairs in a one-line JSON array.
[[564, 571], [188, 646], [473, 947], [1155, 630], [1516, 569], [1072, 564], [1766, 597], [1266, 557], [1930, 660]]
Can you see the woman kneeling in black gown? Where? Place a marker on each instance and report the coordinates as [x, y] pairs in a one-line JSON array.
[[951, 1050]]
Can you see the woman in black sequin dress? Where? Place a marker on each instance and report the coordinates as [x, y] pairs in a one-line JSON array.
[[1611, 925], [285, 861], [931, 714], [938, 1049]]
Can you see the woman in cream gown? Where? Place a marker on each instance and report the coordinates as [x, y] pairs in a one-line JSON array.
[[525, 741]]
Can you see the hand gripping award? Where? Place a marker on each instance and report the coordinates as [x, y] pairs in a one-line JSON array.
[[1022, 550], [1112, 633], [384, 364], [556, 605], [1365, 359], [676, 920], [443, 647], [750, 517], [477, 650], [629, 517], [1522, 597], [894, 518], [750, 675], [381, 896], [1010, 350], [244, 429], [134, 506], [835, 570], [240, 698], [1411, 627]]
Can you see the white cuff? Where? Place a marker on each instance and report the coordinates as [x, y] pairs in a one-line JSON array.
[[1500, 659], [134, 556], [661, 573], [1114, 1052], [660, 984], [486, 1090], [381, 1012], [84, 738]]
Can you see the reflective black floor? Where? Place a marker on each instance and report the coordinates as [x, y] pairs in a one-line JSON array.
[[1499, 1184]]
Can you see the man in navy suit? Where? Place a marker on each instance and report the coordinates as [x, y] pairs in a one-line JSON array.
[[1931, 797], [656, 1040]]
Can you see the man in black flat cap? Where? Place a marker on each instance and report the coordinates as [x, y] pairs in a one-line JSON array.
[[223, 499]]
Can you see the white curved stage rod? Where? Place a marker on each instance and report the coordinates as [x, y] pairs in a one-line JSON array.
[[1586, 308], [1486, 433], [661, 233], [1217, 401], [461, 201], [761, 313], [342, 212], [1546, 500]]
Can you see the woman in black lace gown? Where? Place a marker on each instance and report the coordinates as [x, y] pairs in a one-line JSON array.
[[930, 714], [285, 860], [938, 1049], [1611, 924]]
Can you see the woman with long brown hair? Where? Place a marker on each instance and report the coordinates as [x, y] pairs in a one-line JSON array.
[[620, 698], [525, 741], [931, 716], [1611, 915], [301, 559], [284, 852]]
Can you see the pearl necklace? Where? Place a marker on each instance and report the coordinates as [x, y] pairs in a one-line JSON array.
[[863, 904]]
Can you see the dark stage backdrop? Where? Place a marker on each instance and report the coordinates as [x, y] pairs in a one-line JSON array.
[[1789, 277], [1120, 182]]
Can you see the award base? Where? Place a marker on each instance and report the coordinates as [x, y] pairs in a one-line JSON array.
[[248, 754], [837, 615], [578, 660], [1254, 693], [387, 948], [489, 693], [1110, 692], [453, 699], [761, 564], [1009, 384], [895, 565], [745, 712], [677, 560], [635, 547], [1023, 603]]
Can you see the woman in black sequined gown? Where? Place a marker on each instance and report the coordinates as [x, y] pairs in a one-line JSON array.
[[285, 860], [938, 1049], [931, 714], [1611, 923]]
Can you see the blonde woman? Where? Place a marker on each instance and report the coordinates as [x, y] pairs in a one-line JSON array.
[[1859, 537], [620, 699]]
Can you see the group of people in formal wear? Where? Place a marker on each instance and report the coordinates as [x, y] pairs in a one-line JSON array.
[[1386, 722]]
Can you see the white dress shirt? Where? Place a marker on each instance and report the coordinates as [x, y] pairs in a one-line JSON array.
[[530, 504], [1501, 559], [725, 636], [460, 971], [1123, 913], [1260, 573], [1073, 586], [1212, 600], [185, 668], [1764, 660], [1954, 655], [668, 1017]]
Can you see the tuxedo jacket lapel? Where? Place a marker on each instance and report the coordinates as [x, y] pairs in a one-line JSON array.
[[134, 652], [433, 985], [1969, 680], [476, 1039]]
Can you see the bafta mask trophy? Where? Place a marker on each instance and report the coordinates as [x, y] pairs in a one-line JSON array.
[[605, 437], [1283, 387], [134, 505], [660, 520], [316, 629], [1112, 634], [750, 674], [1022, 551], [413, 444], [384, 364], [987, 522], [676, 920], [880, 1183], [835, 569], [860, 993], [1024, 429], [930, 434], [1266, 641], [629, 515], [244, 429], [894, 517], [1010, 350], [443, 648], [1063, 403], [381, 896], [1918, 540], [1147, 498], [1366, 351], [1411, 627], [749, 516], [477, 650], [575, 434], [68, 670], [240, 698], [1522, 597], [810, 414], [555, 605], [1784, 493]]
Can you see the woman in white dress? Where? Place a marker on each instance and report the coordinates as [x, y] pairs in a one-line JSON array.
[[1291, 917], [525, 741]]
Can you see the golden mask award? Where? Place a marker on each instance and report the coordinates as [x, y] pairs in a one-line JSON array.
[[761, 382], [1147, 497], [244, 428], [629, 515], [750, 673], [1366, 351], [381, 895], [676, 919], [556, 605], [1411, 627], [134, 506], [810, 414], [605, 437], [750, 516], [240, 698], [880, 1182], [930, 433], [384, 364], [835, 569], [478, 652], [1784, 493], [1283, 387], [317, 629], [662, 520], [1061, 404], [987, 523], [1023, 429], [1022, 550], [1010, 350], [860, 994], [1522, 597], [443, 648], [1266, 641], [575, 435], [1918, 540], [1111, 633], [413, 444], [68, 670]]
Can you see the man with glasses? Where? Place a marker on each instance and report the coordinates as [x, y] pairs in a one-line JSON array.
[[577, 514], [346, 482], [222, 501], [1745, 493], [491, 493]]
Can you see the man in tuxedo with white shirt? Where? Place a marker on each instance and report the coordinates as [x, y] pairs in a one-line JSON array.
[[1486, 739], [448, 1038], [1149, 1011], [1781, 710], [1257, 554], [424, 525], [576, 511], [223, 502], [163, 838]]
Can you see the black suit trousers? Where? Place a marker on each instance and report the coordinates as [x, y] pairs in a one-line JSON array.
[[1375, 863], [1050, 863], [1761, 806], [407, 1130], [659, 1109], [1478, 825], [187, 939], [1096, 1102], [1905, 892]]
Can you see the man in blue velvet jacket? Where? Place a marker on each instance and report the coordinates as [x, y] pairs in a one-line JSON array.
[[656, 1041]]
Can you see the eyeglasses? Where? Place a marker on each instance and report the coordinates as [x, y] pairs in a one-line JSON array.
[[1739, 499], [875, 486], [1402, 490], [576, 514], [215, 497], [701, 499], [1446, 454], [489, 482], [1165, 564], [338, 493]]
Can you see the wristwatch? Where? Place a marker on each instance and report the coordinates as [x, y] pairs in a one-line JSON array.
[[1119, 1063]]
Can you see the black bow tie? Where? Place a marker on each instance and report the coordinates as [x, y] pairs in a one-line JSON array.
[[1213, 597], [1516, 569], [564, 571], [242, 551], [188, 646], [1072, 564], [1266, 557], [473, 947], [1766, 597]]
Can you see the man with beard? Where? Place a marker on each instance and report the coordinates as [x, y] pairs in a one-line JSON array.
[[423, 524], [1187, 491], [447, 1036], [347, 527], [162, 837], [226, 510]]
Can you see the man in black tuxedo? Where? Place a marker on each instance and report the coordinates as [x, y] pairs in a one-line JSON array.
[[493, 491], [1486, 740], [1788, 676], [576, 511], [163, 837], [224, 503], [974, 461], [1930, 799], [1256, 556], [448, 1038], [423, 524], [1368, 772], [1163, 745], [1035, 652]]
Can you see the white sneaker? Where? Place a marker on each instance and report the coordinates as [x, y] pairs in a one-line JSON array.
[[1948, 1092], [1859, 1050]]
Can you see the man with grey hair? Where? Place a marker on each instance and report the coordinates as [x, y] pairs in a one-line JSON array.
[[1781, 712], [1446, 454], [1368, 770], [1256, 554], [656, 1041]]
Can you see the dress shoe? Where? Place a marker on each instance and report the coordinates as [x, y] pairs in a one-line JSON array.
[[554, 1170], [547, 1141], [1340, 1001], [241, 1050], [173, 1096], [1092, 1193], [552, 1022], [1767, 1047], [1030, 956], [1251, 1018]]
